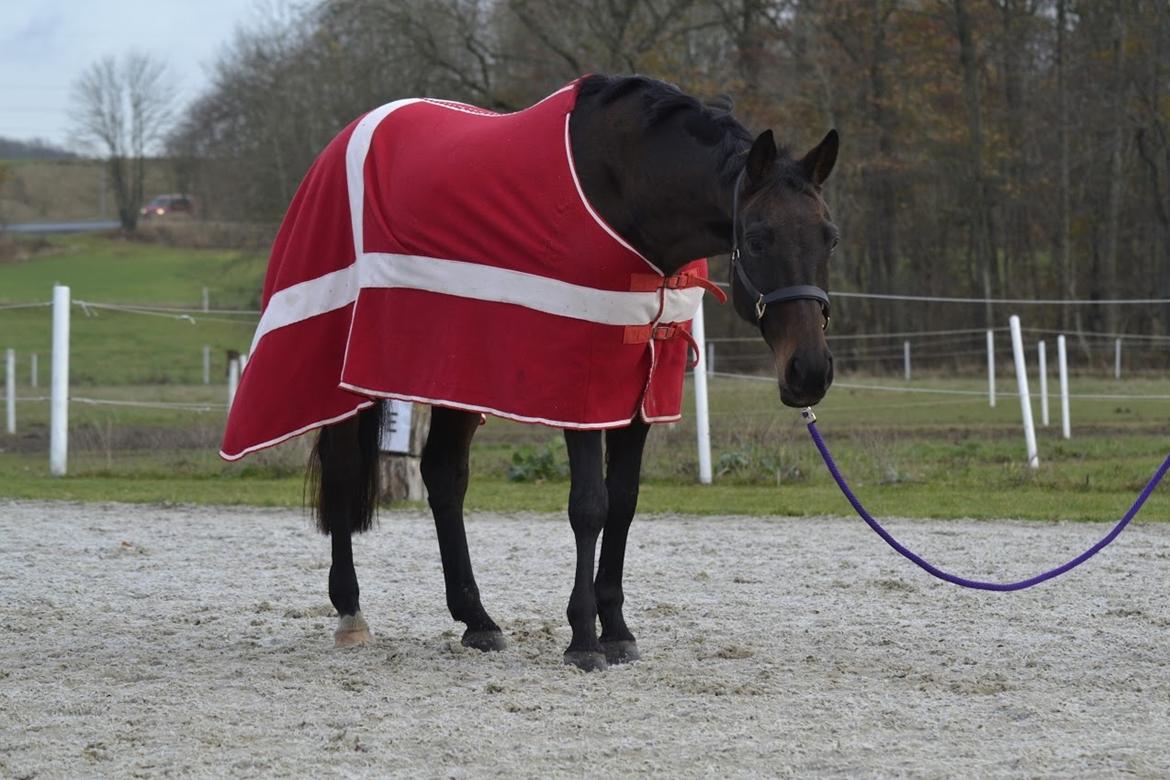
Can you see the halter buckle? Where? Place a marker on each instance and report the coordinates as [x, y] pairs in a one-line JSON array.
[[760, 307]]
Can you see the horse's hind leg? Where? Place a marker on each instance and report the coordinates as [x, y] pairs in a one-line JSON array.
[[623, 453], [345, 460], [445, 471], [588, 502]]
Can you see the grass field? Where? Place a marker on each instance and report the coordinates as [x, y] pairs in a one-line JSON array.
[[906, 457], [56, 190], [112, 347], [908, 454]]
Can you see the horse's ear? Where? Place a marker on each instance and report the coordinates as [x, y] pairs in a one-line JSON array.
[[818, 163], [761, 158]]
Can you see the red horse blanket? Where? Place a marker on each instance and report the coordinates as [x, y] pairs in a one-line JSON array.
[[440, 253]]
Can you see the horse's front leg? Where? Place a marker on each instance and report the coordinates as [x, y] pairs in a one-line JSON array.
[[623, 449], [446, 472], [588, 506]]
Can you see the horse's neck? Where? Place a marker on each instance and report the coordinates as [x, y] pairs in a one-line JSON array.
[[670, 204]]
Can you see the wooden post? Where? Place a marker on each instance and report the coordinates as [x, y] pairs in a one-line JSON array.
[[399, 472], [702, 416], [1022, 386], [10, 389], [1043, 383], [1062, 361], [991, 368], [233, 381], [59, 382]]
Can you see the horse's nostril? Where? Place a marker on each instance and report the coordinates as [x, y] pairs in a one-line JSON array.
[[809, 372]]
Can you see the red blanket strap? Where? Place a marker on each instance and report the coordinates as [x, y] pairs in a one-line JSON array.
[[653, 282], [640, 334]]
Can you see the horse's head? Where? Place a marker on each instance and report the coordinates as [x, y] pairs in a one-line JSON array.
[[783, 239]]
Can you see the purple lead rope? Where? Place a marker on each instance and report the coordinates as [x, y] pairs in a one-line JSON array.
[[963, 581]]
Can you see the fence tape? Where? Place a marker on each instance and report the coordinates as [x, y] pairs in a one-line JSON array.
[[943, 391], [1012, 301], [177, 314], [176, 406], [9, 306]]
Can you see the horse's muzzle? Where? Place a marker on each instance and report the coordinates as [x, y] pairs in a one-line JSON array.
[[806, 377]]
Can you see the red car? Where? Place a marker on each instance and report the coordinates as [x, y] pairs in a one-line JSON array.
[[167, 205]]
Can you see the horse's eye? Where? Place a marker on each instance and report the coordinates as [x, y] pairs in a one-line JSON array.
[[833, 245]]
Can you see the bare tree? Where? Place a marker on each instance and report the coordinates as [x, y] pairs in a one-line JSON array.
[[123, 107]]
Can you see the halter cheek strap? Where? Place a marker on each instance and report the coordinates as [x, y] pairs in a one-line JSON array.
[[796, 292]]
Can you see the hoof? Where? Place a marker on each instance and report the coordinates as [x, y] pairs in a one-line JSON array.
[[621, 651], [586, 660], [487, 641], [352, 631]]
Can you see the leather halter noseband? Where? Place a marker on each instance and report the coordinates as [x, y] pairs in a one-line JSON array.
[[797, 292]]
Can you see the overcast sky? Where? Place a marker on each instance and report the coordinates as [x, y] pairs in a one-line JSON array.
[[46, 44]]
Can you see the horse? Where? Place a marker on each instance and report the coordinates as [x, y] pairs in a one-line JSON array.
[[677, 179]]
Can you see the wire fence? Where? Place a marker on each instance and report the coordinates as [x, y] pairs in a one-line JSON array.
[[993, 301], [183, 368]]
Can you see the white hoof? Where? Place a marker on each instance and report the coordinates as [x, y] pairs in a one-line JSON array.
[[352, 630]]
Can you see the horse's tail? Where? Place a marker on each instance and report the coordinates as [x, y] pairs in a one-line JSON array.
[[342, 478]]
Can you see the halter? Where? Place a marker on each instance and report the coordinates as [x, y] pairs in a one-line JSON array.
[[797, 292]]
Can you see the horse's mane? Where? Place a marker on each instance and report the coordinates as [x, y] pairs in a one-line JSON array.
[[711, 123]]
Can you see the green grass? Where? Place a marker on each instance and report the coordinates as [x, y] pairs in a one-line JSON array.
[[1011, 495], [916, 455], [902, 459], [27, 478], [112, 347], [128, 271]]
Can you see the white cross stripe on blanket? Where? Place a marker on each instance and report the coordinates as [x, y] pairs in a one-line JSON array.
[[461, 278], [376, 270]]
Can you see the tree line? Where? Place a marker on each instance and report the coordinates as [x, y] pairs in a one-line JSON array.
[[991, 148]]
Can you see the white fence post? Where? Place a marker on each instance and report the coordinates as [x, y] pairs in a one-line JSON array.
[[1025, 399], [10, 389], [206, 364], [1042, 349], [243, 362], [710, 358], [991, 368], [906, 358], [33, 370], [1117, 359], [206, 300], [59, 394], [233, 380], [702, 420], [1062, 367]]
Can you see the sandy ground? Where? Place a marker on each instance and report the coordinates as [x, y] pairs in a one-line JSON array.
[[147, 641]]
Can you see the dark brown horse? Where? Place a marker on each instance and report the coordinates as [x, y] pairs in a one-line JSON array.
[[678, 180]]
